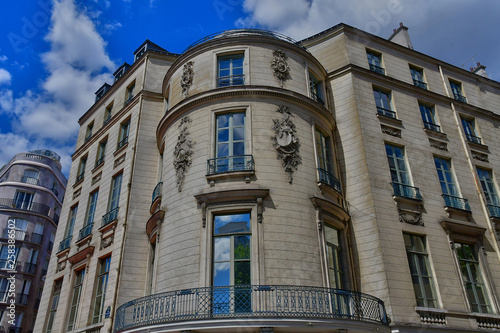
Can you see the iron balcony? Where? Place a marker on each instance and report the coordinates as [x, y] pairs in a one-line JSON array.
[[456, 202], [250, 301], [230, 164], [329, 179], [406, 191]]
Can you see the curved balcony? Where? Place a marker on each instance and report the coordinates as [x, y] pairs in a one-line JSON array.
[[250, 302], [230, 164], [329, 179], [23, 205]]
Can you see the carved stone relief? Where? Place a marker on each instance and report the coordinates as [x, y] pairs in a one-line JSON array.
[[286, 142], [77, 193], [61, 265], [187, 78], [480, 157], [438, 144], [105, 242], [119, 160], [183, 152], [96, 178], [391, 131], [280, 66], [410, 217]]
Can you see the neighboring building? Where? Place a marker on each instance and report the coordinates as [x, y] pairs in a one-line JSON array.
[[344, 183], [31, 192]]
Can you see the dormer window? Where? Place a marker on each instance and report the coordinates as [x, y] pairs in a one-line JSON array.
[[121, 71], [99, 93]]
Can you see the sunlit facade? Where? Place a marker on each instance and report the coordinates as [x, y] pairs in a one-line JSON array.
[[253, 183]]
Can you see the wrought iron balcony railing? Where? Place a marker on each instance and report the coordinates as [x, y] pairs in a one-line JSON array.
[[230, 164], [80, 177], [17, 234], [13, 265], [456, 202], [30, 180], [29, 268], [329, 179], [157, 191], [122, 143], [231, 80], [377, 69], [386, 112], [460, 98], [420, 84], [110, 216], [23, 205], [99, 162], [432, 126], [85, 231], [65, 243], [473, 139], [214, 303], [406, 191], [317, 98], [494, 211]]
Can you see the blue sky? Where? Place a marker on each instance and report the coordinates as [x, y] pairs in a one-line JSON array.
[[54, 54]]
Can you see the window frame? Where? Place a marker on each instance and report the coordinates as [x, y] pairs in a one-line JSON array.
[[101, 285], [108, 113], [429, 117], [101, 153], [130, 92], [457, 90], [316, 87], [417, 75], [375, 61], [53, 304], [416, 257], [447, 177], [230, 56], [80, 175], [123, 134], [382, 108], [78, 283], [89, 131], [470, 129], [403, 177]]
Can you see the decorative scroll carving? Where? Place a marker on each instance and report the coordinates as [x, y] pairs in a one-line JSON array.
[[480, 156], [77, 193], [280, 66], [410, 217], [286, 142], [438, 144], [183, 152], [187, 77], [61, 265], [391, 131], [105, 242], [96, 178]]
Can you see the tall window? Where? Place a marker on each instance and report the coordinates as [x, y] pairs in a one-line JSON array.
[[446, 177], [326, 167], [315, 88], [4, 290], [8, 257], [472, 277], [429, 117], [469, 125], [456, 89], [230, 142], [24, 292], [230, 70], [75, 299], [334, 257], [417, 74], [101, 152], [53, 304], [31, 177], [490, 191], [100, 293], [421, 276], [89, 219], [401, 181], [130, 92], [23, 200], [116, 184], [88, 134], [451, 193], [81, 169], [383, 102], [30, 266], [68, 235], [375, 62], [123, 135], [108, 113], [231, 262], [20, 228]]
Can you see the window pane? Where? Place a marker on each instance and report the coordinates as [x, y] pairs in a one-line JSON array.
[[241, 273], [241, 247], [221, 274], [232, 223], [222, 249]]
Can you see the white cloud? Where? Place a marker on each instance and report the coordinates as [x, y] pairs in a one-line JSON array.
[[77, 65], [3, 58], [5, 76], [11, 145], [110, 27]]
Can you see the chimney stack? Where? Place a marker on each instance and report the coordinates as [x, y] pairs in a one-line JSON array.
[[400, 36], [479, 70]]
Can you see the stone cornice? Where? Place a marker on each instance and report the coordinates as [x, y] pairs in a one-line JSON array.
[[226, 93]]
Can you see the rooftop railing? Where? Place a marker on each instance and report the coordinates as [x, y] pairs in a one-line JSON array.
[[250, 301], [230, 164]]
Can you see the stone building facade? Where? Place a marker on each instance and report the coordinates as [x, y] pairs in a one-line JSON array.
[[31, 192], [344, 183]]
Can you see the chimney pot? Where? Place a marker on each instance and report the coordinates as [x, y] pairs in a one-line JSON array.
[[400, 24], [394, 30]]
